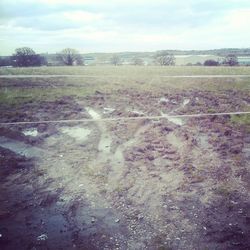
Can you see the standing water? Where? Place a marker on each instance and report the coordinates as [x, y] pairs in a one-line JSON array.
[[20, 148], [105, 140], [30, 132], [175, 120], [185, 102], [78, 133]]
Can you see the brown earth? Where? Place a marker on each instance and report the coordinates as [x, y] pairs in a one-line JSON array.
[[145, 184]]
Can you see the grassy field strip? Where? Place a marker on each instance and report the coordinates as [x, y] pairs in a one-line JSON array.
[[146, 71], [127, 118], [124, 76], [207, 76]]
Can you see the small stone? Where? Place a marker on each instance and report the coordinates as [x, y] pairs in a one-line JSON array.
[[140, 217], [42, 237], [234, 202], [174, 208], [163, 100]]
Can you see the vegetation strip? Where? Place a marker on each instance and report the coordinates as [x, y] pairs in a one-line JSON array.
[[119, 76], [125, 118]]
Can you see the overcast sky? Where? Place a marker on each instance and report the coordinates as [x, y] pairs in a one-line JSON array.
[[123, 25]]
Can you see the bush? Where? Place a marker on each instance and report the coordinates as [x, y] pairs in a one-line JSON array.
[[211, 62], [231, 60], [26, 57]]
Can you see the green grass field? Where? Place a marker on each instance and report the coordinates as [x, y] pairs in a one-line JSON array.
[[18, 90], [131, 71]]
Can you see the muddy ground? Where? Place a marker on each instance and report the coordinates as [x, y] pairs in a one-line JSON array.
[[143, 184]]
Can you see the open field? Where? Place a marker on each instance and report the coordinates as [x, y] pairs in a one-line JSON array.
[[129, 71], [173, 183]]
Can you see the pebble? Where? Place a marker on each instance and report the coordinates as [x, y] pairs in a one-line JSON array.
[[234, 202], [174, 208], [42, 237], [140, 217]]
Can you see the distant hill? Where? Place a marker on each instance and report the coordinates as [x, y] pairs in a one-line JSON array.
[[215, 52]]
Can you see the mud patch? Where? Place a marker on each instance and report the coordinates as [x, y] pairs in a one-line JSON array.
[[78, 133], [176, 120], [30, 132], [20, 148], [130, 185]]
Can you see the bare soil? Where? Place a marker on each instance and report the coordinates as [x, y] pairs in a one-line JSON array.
[[148, 184]]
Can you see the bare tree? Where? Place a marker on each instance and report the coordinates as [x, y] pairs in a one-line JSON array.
[[27, 57], [115, 60], [164, 58], [137, 61], [70, 57], [231, 60]]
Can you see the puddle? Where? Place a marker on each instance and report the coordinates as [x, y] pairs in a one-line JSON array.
[[30, 132], [136, 112], [118, 156], [108, 110], [105, 140], [104, 148], [185, 102], [175, 120], [163, 100], [105, 144], [77, 133], [93, 114], [20, 147]]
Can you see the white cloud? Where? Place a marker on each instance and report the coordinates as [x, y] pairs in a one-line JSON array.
[[116, 25], [238, 19], [82, 16]]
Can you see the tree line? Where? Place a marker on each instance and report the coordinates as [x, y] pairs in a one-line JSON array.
[[27, 57]]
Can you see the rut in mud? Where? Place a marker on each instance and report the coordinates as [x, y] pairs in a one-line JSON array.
[[150, 184]]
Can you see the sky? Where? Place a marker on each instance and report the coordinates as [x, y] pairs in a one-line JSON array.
[[123, 25]]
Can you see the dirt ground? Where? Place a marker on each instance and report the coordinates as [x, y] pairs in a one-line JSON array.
[[142, 184]]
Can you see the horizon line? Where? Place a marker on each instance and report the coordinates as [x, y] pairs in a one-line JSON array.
[[133, 51]]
